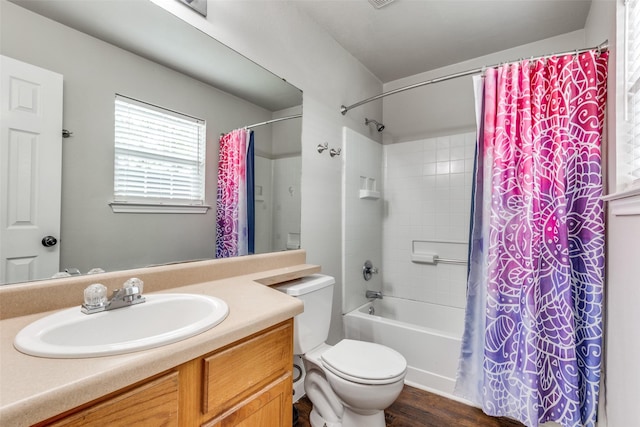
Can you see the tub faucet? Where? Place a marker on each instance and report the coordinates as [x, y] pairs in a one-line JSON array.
[[374, 295]]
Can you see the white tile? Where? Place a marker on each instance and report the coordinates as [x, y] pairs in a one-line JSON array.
[[457, 153], [443, 180], [434, 205], [470, 139], [428, 182], [429, 156], [457, 166], [469, 165], [457, 140], [470, 150], [442, 167], [457, 179], [443, 154], [429, 169], [443, 142]]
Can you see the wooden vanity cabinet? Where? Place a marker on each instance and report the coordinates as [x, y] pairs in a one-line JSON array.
[[247, 383], [250, 379], [153, 403]]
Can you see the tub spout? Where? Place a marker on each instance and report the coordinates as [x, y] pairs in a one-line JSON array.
[[374, 295]]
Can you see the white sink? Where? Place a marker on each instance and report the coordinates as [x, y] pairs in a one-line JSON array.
[[162, 319]]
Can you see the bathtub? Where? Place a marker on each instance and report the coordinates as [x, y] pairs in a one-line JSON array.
[[427, 335]]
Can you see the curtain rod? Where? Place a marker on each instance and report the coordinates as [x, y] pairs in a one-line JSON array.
[[268, 122], [603, 47]]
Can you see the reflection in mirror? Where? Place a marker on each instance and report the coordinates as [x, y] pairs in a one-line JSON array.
[[137, 49]]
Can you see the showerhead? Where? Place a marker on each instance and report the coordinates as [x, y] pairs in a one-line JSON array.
[[379, 126]]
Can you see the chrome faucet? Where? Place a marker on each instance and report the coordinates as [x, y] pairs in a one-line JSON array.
[[374, 295], [95, 296]]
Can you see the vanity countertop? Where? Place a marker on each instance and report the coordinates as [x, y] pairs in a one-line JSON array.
[[33, 389]]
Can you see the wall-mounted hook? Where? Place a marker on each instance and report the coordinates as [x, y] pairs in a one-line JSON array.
[[335, 152], [322, 147], [66, 133]]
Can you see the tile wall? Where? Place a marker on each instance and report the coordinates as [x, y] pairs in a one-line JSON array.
[[427, 197]]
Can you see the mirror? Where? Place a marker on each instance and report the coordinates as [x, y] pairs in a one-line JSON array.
[[137, 49]]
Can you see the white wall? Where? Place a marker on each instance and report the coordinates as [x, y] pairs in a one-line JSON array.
[[286, 134], [361, 217]]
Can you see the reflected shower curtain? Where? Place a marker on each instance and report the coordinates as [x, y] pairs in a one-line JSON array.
[[533, 329], [232, 206]]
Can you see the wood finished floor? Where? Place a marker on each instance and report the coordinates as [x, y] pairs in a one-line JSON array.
[[418, 408]]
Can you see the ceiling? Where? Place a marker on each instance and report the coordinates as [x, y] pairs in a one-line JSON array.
[[408, 37]]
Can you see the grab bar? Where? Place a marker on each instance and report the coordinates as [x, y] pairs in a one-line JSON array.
[[431, 258], [451, 261]]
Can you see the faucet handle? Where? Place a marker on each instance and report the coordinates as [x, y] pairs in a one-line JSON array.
[[133, 282], [368, 270], [95, 295]]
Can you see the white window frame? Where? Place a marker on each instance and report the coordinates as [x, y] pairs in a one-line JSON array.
[[156, 185]]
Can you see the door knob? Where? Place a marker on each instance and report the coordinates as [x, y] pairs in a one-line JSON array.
[[48, 241]]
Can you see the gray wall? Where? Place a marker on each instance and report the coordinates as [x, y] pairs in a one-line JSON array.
[[92, 235]]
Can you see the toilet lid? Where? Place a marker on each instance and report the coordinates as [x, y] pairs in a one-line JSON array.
[[364, 362]]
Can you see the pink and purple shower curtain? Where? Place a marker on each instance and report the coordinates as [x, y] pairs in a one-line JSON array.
[[231, 206], [532, 345]]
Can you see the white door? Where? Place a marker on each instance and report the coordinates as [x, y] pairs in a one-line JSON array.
[[30, 171]]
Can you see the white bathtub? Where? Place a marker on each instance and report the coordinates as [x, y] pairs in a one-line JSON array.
[[427, 335]]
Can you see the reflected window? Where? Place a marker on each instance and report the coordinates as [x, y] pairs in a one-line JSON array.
[[159, 155]]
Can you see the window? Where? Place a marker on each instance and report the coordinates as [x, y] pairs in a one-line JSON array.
[[629, 160], [159, 159]]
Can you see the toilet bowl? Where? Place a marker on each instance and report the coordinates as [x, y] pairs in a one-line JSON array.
[[350, 383], [365, 377]]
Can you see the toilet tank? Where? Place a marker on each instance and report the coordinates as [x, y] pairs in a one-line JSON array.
[[311, 328]]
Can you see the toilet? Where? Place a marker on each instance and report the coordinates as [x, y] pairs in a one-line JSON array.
[[351, 383]]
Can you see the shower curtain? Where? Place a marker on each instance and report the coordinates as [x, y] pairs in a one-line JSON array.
[[533, 328], [234, 211]]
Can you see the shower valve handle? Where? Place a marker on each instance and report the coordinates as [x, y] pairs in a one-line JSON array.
[[368, 270]]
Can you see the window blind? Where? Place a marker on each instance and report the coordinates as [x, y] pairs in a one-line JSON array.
[[159, 155], [631, 146]]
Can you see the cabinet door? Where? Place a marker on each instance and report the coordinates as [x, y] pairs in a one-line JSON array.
[[270, 407], [151, 404], [241, 370]]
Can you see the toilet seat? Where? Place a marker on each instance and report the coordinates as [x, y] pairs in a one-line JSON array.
[[364, 362]]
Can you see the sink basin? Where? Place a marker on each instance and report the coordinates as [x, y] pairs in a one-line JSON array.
[[162, 319]]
